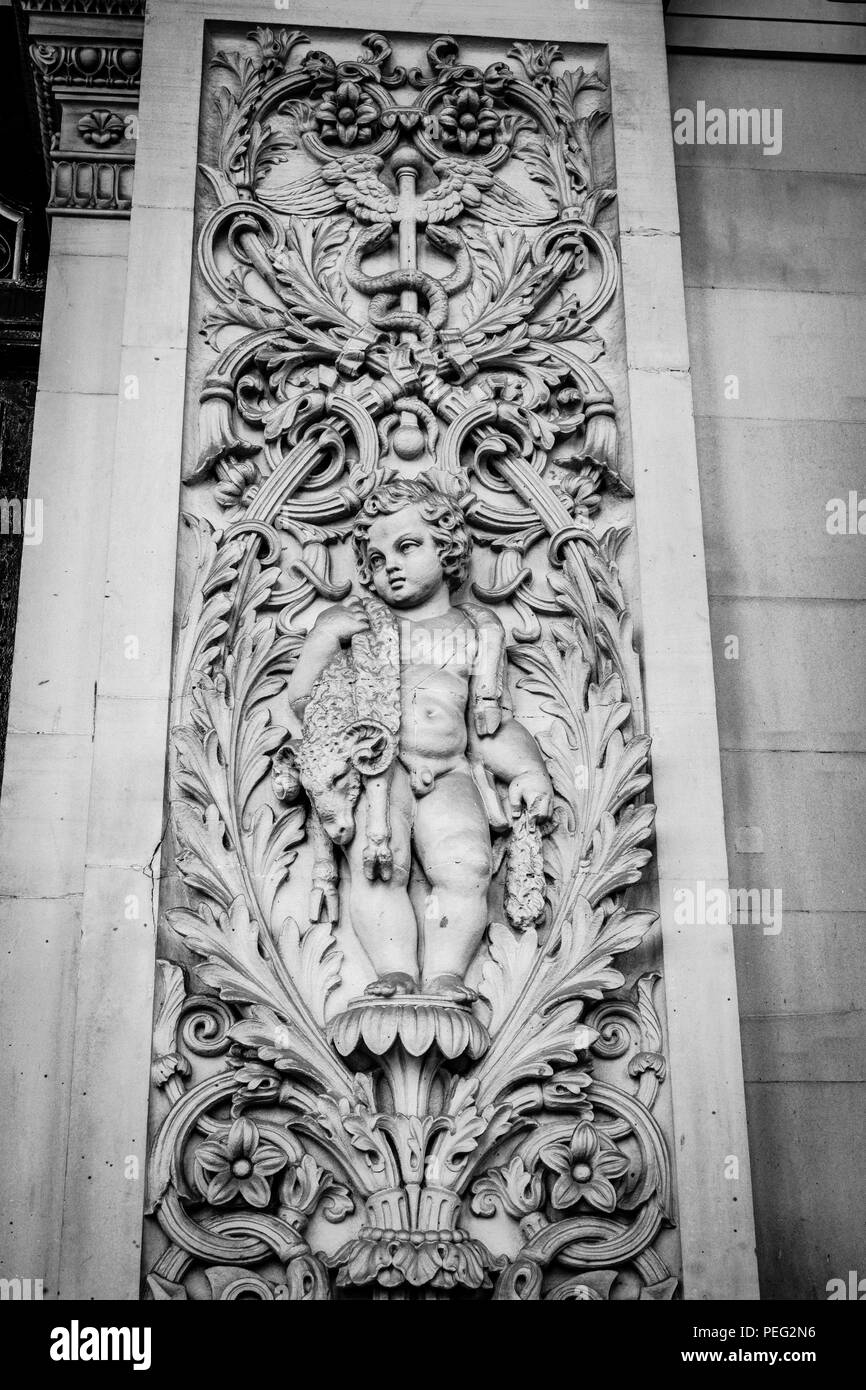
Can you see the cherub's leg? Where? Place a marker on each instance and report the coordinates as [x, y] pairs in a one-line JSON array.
[[381, 912], [452, 841], [324, 893], [377, 855]]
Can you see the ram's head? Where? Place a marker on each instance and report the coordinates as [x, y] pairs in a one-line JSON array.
[[330, 771]]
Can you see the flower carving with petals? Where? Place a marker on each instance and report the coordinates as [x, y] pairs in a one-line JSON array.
[[585, 1169], [346, 116], [468, 121], [238, 1165], [101, 128]]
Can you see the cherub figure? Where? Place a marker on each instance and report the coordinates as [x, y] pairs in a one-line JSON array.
[[436, 800]]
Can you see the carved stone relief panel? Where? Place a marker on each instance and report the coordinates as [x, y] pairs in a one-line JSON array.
[[406, 1041]]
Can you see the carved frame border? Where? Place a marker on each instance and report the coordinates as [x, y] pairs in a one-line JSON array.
[[101, 1234]]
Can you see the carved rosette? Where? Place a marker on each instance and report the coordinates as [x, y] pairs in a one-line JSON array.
[[86, 81], [406, 269]]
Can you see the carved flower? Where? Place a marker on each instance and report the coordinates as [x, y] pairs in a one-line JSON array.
[[101, 128], [346, 116], [468, 121], [238, 485], [585, 1169], [238, 1165], [582, 488]]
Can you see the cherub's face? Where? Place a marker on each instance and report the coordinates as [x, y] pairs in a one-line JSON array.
[[403, 559]]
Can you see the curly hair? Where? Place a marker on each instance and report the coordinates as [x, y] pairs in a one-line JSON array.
[[446, 521]]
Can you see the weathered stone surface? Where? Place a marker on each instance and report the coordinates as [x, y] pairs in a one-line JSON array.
[[813, 860], [762, 228], [783, 349], [160, 318], [90, 289], [816, 963], [808, 144], [44, 826], [136, 632], [105, 1171], [805, 1233], [768, 695], [773, 250], [809, 1047], [62, 579], [37, 997], [765, 486]]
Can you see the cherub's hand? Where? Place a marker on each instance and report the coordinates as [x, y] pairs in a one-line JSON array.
[[531, 791], [488, 716], [342, 622]]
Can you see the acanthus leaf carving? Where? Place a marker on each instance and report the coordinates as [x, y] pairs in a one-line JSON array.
[[405, 833]]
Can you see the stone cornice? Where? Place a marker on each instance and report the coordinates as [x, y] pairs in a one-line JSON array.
[[122, 8], [85, 61]]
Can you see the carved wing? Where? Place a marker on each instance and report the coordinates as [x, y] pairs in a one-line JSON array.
[[357, 184], [352, 183], [309, 197], [464, 184]]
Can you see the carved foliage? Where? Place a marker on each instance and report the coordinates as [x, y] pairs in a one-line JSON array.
[[469, 354]]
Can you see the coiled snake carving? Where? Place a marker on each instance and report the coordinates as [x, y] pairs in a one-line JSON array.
[[386, 289]]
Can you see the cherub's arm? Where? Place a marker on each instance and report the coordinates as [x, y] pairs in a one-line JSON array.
[[488, 675], [513, 756], [333, 629], [509, 752]]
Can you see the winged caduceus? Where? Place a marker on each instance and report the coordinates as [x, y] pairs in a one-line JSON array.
[[355, 183]]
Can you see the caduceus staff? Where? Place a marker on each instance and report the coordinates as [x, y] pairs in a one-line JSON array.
[[355, 184]]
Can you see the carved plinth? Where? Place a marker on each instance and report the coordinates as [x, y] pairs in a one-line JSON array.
[[416, 1023], [408, 1039], [412, 1237], [424, 1260]]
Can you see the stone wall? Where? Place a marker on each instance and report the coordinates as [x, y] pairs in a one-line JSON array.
[[775, 276], [83, 799]]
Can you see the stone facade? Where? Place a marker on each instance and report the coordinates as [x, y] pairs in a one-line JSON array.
[[774, 273], [389, 350]]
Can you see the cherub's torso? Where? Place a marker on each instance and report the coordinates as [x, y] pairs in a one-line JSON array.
[[436, 659]]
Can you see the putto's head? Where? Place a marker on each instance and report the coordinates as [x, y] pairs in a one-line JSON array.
[[409, 538]]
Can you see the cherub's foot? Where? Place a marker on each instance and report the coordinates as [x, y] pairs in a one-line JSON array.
[[451, 987], [377, 858], [324, 900], [395, 982]]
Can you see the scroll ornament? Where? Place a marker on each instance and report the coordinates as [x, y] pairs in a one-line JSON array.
[[489, 1132]]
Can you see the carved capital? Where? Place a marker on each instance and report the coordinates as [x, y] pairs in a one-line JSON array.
[[85, 59]]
